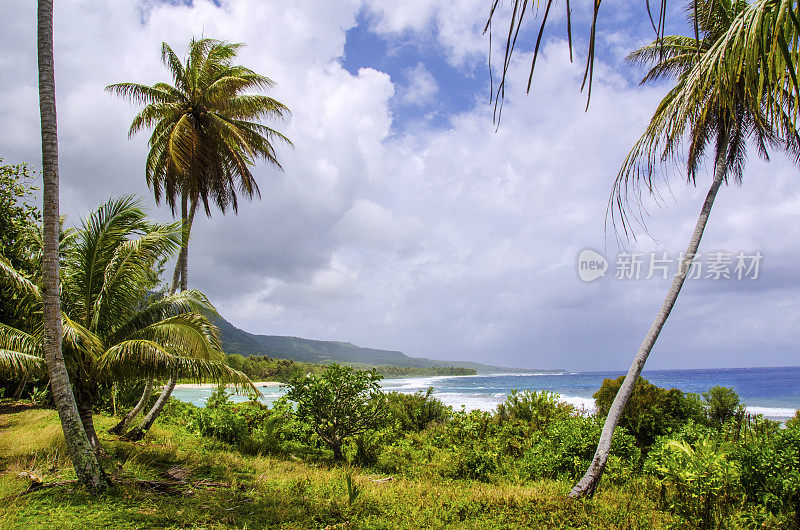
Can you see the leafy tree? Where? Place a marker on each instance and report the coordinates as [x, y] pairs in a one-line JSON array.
[[87, 467], [340, 403], [651, 411], [204, 139], [723, 118], [722, 404], [114, 329]]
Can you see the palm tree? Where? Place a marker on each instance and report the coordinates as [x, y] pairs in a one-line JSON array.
[[115, 328], [722, 118], [205, 138], [84, 460]]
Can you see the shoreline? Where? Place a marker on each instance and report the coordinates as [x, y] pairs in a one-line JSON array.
[[257, 384]]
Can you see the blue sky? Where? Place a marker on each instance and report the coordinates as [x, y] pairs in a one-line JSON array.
[[403, 218]]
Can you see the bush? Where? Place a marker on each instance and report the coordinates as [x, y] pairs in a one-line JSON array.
[[722, 405], [699, 482], [771, 472], [470, 461], [566, 447], [414, 412], [651, 411], [339, 403], [536, 408]]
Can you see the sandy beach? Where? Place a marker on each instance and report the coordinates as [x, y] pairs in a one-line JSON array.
[[258, 384]]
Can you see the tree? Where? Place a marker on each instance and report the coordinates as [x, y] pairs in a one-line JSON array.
[[722, 404], [115, 328], [651, 411], [84, 460], [205, 138], [723, 117], [339, 403]]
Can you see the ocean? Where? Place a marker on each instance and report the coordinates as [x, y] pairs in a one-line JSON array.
[[773, 392]]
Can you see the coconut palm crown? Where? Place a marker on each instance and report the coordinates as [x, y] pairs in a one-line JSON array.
[[205, 130]]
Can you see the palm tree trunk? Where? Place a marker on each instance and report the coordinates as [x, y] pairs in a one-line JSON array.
[[86, 414], [139, 432], [587, 485], [84, 460], [122, 426], [181, 274]]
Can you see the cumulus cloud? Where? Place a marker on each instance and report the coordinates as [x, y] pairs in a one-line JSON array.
[[421, 87], [457, 242]]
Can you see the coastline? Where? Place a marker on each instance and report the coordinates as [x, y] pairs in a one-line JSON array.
[[257, 384]]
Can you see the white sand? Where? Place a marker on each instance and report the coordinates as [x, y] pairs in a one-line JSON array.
[[258, 384]]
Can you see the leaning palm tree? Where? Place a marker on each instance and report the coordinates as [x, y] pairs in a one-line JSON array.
[[722, 118], [205, 137], [115, 328], [87, 468]]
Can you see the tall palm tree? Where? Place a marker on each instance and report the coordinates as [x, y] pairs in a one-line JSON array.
[[723, 118], [115, 329], [205, 137], [84, 460], [205, 134]]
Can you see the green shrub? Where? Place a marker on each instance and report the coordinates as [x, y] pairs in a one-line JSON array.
[[794, 421], [566, 447], [771, 472], [414, 412], [722, 405], [700, 482], [339, 403], [470, 461], [651, 411], [536, 408]]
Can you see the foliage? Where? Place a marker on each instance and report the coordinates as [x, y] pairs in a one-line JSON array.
[[771, 471], [539, 408], [414, 412], [794, 421], [722, 405], [651, 411], [266, 368], [565, 448], [204, 137], [19, 233], [699, 482], [339, 403]]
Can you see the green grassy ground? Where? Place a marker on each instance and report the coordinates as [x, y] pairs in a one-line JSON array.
[[227, 489]]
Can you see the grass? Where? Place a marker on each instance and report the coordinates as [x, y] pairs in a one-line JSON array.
[[264, 491]]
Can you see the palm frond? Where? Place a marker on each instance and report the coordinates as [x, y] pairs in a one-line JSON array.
[[18, 366]]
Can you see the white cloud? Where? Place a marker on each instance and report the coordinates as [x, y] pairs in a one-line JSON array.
[[421, 87], [455, 243]]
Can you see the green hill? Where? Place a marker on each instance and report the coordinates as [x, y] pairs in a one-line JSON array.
[[237, 341]]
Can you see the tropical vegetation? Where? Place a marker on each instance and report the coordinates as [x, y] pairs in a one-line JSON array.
[[419, 462]]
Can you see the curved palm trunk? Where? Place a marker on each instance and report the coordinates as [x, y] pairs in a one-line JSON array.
[[591, 479], [139, 432], [84, 460], [123, 425]]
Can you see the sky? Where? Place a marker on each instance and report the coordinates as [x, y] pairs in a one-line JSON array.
[[404, 218]]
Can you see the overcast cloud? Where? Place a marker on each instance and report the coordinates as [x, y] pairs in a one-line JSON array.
[[439, 237]]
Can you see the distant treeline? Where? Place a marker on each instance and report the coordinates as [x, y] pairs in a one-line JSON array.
[[264, 368]]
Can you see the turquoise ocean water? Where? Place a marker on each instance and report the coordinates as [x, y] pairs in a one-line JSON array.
[[773, 392]]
